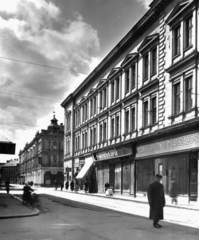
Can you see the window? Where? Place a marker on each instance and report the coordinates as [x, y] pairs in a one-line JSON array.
[[105, 97], [112, 91], [95, 104], [127, 80], [105, 132], [146, 66], [91, 109], [188, 93], [154, 61], [101, 133], [153, 110], [95, 136], [117, 127], [101, 100], [117, 82], [77, 117], [146, 113], [91, 137], [176, 41], [176, 98], [133, 119], [188, 32], [127, 122], [112, 128], [133, 76], [83, 140], [68, 123], [86, 140]]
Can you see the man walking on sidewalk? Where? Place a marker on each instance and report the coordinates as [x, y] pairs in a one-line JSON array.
[[156, 201]]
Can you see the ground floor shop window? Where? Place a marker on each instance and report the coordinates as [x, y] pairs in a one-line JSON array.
[[118, 177], [126, 180], [145, 174]]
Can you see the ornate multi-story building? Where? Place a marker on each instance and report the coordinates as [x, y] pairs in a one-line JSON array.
[[137, 113], [41, 160]]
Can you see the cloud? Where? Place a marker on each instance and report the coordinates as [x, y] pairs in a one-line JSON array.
[[145, 3], [37, 31]]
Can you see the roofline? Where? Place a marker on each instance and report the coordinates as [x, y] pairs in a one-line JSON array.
[[155, 8]]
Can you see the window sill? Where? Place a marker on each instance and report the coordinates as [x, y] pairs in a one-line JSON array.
[[175, 56], [187, 48], [172, 117]]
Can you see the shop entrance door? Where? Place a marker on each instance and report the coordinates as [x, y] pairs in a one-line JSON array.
[[112, 176], [193, 177], [126, 178]]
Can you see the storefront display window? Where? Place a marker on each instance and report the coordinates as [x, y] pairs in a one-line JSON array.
[[118, 177], [126, 177]]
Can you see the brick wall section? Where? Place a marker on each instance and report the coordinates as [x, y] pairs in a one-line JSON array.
[[162, 42]]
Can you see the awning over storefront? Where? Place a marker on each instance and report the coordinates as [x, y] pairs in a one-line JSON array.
[[86, 167]]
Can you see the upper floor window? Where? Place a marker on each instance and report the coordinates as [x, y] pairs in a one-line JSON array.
[[112, 91], [146, 114], [127, 122], [117, 86], [176, 40], [188, 32], [153, 110], [176, 98], [68, 122], [117, 126], [133, 76], [77, 117], [146, 66], [127, 80], [133, 127], [188, 93], [154, 61], [149, 51], [85, 112], [112, 127]]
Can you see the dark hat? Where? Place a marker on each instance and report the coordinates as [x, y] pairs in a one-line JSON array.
[[158, 176]]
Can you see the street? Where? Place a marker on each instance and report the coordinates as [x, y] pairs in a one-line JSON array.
[[62, 218]]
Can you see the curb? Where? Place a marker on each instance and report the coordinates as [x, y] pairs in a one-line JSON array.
[[35, 213], [135, 201]]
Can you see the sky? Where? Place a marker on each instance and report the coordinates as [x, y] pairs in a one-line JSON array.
[[47, 48]]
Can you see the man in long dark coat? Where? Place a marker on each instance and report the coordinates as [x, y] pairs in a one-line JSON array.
[[156, 201]]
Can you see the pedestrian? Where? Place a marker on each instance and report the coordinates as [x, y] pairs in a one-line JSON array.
[[106, 186], [72, 185], [7, 184], [61, 185], [56, 184], [86, 187], [76, 187], [173, 191], [66, 185], [27, 190], [156, 201]]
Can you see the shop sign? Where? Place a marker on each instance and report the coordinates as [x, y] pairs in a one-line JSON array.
[[113, 153], [106, 155], [175, 144]]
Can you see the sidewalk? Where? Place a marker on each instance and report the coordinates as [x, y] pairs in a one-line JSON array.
[[12, 207]]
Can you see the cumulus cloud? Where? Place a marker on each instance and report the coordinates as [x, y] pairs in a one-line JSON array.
[[36, 31], [145, 3]]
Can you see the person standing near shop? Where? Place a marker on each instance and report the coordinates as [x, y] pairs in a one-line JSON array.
[[72, 185], [156, 201], [173, 191]]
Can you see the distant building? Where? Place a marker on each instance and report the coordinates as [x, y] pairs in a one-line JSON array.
[[137, 113], [41, 160], [10, 171]]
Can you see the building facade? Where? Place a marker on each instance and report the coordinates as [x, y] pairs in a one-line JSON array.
[[9, 171], [137, 114], [41, 160]]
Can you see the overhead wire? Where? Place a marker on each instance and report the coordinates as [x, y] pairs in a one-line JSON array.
[[42, 65]]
